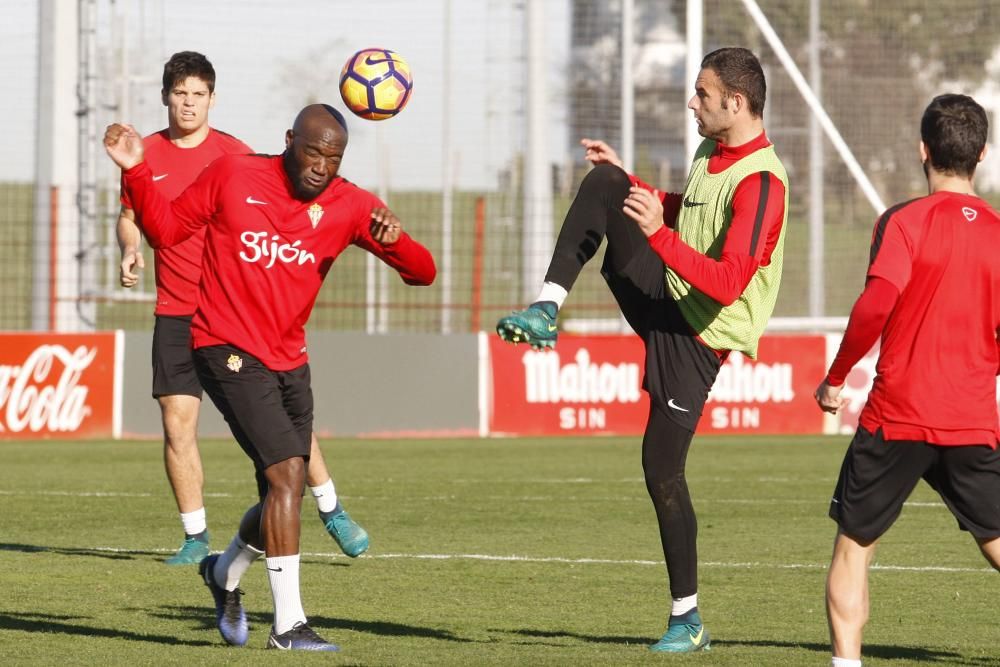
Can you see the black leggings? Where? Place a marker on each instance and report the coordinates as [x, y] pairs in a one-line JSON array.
[[596, 213], [635, 276], [664, 452]]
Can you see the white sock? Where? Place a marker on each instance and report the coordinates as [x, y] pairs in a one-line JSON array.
[[283, 574], [325, 495], [684, 605], [844, 662], [553, 292], [194, 522], [233, 562]]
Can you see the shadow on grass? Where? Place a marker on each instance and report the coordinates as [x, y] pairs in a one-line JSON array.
[[258, 620], [596, 639], [50, 623], [130, 554], [881, 651]]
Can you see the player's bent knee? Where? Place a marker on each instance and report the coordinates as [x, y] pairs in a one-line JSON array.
[[604, 177]]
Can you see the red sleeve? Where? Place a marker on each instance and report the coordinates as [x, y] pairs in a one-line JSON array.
[[868, 318], [891, 252], [671, 201], [167, 223], [758, 213], [123, 198], [410, 259]]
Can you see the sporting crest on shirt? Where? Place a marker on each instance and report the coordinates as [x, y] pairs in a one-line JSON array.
[[969, 213], [315, 213], [234, 363]]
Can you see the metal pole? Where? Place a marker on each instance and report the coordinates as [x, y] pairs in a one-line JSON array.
[[628, 85], [694, 33], [447, 175], [817, 275], [817, 109], [537, 234]]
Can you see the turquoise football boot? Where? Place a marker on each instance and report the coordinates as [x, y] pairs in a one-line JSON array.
[[349, 536], [535, 325], [685, 634], [193, 551]]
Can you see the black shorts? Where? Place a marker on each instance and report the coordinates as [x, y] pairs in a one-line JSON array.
[[269, 412], [679, 369], [877, 477], [173, 367]]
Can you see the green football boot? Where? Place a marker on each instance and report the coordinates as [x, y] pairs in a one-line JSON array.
[[685, 634], [193, 551], [535, 325], [349, 536]]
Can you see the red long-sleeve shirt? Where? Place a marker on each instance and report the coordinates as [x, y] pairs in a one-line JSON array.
[[755, 204], [178, 268], [266, 252], [936, 372]]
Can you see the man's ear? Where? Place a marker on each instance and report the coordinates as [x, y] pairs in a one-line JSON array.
[[924, 155]]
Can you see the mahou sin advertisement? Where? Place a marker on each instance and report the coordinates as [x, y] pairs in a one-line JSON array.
[[593, 384], [59, 385]]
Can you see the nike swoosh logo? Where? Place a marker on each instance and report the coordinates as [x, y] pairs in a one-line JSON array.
[[160, 177], [279, 569], [552, 327], [372, 61], [277, 644], [688, 203], [673, 405], [251, 200], [696, 639]]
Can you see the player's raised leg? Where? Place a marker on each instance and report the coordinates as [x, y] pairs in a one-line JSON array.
[[183, 464], [349, 536], [594, 214]]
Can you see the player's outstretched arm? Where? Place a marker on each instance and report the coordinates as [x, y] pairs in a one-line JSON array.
[[129, 241], [123, 145], [385, 226], [393, 246], [599, 152]]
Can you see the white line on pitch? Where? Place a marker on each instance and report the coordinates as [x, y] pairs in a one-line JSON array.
[[590, 561], [698, 500]]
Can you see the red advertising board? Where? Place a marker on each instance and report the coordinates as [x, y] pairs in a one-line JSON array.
[[593, 384], [59, 385]]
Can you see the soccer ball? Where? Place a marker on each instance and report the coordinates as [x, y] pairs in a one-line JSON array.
[[376, 83]]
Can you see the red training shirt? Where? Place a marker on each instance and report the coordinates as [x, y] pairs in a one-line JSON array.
[[936, 372], [178, 268], [266, 252]]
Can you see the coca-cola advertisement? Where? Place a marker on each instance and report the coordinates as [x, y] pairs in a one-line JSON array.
[[593, 384], [59, 385]]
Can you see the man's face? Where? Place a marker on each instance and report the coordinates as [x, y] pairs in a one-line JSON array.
[[188, 103], [712, 109], [312, 159]]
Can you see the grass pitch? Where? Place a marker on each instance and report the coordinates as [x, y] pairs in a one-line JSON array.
[[492, 552]]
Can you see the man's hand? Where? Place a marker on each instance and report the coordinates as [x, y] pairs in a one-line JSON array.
[[385, 227], [828, 397], [124, 145], [599, 152], [132, 261], [645, 208]]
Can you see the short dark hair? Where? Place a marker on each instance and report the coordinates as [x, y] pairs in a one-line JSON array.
[[184, 64], [954, 128], [740, 72]]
